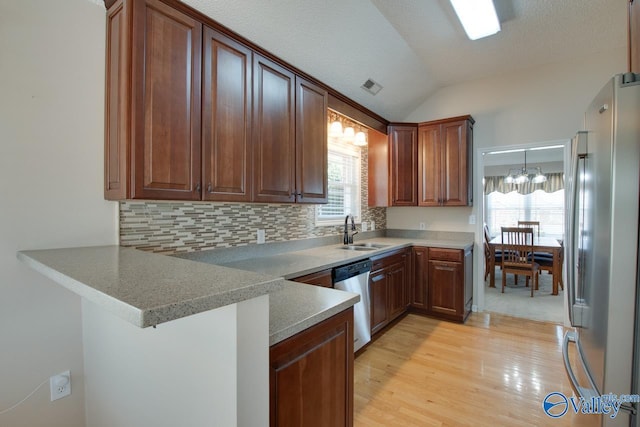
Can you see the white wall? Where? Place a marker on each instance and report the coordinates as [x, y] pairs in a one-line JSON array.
[[51, 154], [534, 105], [209, 369]]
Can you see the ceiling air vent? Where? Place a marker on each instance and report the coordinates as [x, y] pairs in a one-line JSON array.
[[372, 87]]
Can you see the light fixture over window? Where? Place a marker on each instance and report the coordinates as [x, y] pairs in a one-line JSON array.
[[478, 17], [346, 130], [524, 175]]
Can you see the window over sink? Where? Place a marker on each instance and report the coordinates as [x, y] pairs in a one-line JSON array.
[[344, 184]]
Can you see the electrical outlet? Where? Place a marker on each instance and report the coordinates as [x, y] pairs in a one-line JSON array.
[[60, 385], [364, 225], [423, 226], [260, 236], [373, 225], [472, 219]]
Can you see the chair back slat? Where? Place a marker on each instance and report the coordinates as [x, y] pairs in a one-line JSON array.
[[535, 225]]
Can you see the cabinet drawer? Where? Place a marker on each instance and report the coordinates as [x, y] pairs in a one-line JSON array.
[[445, 254], [320, 278], [386, 259]]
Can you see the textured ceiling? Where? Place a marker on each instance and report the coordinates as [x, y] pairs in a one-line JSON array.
[[414, 47]]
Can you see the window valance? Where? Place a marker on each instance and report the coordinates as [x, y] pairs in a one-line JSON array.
[[554, 182]]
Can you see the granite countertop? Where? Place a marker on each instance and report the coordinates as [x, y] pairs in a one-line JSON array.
[[298, 306], [295, 264], [147, 289], [143, 288]]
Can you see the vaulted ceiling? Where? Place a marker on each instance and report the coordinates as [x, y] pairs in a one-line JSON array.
[[414, 47]]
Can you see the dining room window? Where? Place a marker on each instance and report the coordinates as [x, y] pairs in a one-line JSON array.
[[506, 205]]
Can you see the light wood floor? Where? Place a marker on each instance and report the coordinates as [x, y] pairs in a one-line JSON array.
[[493, 371]]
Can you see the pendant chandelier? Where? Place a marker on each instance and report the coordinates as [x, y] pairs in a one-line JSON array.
[[342, 128], [524, 175]]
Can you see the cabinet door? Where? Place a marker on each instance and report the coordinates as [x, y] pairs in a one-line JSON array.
[[419, 285], [445, 287], [311, 142], [167, 46], [396, 280], [454, 161], [273, 132], [226, 118], [403, 145], [429, 166], [311, 376], [117, 103], [378, 292]]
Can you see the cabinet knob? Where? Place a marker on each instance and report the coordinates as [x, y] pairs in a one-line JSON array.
[[209, 188], [198, 188]]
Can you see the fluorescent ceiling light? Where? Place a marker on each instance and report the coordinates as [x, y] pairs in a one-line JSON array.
[[478, 17]]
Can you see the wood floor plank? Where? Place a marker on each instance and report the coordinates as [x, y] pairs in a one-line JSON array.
[[493, 371]]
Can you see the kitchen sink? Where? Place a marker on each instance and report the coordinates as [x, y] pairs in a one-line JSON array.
[[363, 247]]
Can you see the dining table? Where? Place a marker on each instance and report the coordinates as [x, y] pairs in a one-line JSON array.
[[540, 244]]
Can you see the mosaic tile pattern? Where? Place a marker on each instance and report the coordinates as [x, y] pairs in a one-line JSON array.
[[172, 227]]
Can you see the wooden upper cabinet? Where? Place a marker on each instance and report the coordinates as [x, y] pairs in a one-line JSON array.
[[429, 165], [226, 118], [166, 102], [152, 146], [117, 108], [378, 176], [194, 113], [311, 142], [445, 162], [403, 146], [273, 132], [634, 36]]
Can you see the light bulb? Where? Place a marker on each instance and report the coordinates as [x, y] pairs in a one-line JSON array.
[[360, 139]]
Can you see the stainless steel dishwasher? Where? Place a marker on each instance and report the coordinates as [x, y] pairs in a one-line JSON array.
[[355, 278]]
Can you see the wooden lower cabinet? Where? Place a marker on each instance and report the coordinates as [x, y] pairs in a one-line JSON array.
[[443, 282], [418, 292], [322, 278], [389, 287], [378, 294], [311, 376]]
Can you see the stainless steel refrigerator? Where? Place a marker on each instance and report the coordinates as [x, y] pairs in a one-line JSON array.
[[602, 250]]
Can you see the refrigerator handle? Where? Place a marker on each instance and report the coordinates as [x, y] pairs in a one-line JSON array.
[[586, 393], [570, 337], [570, 241]]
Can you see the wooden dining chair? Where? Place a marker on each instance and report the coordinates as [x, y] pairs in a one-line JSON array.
[[535, 225], [543, 259], [517, 255], [488, 253]]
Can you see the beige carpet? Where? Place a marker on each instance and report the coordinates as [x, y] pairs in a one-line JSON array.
[[517, 301]]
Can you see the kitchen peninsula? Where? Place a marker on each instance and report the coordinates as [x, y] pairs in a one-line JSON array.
[[205, 359], [200, 312]]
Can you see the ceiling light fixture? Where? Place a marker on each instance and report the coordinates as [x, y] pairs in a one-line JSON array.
[[478, 17], [521, 176]]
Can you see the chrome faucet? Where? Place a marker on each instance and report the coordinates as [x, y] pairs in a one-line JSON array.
[[348, 238]]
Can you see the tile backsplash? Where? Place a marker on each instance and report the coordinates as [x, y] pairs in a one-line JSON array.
[[172, 227], [184, 227]]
